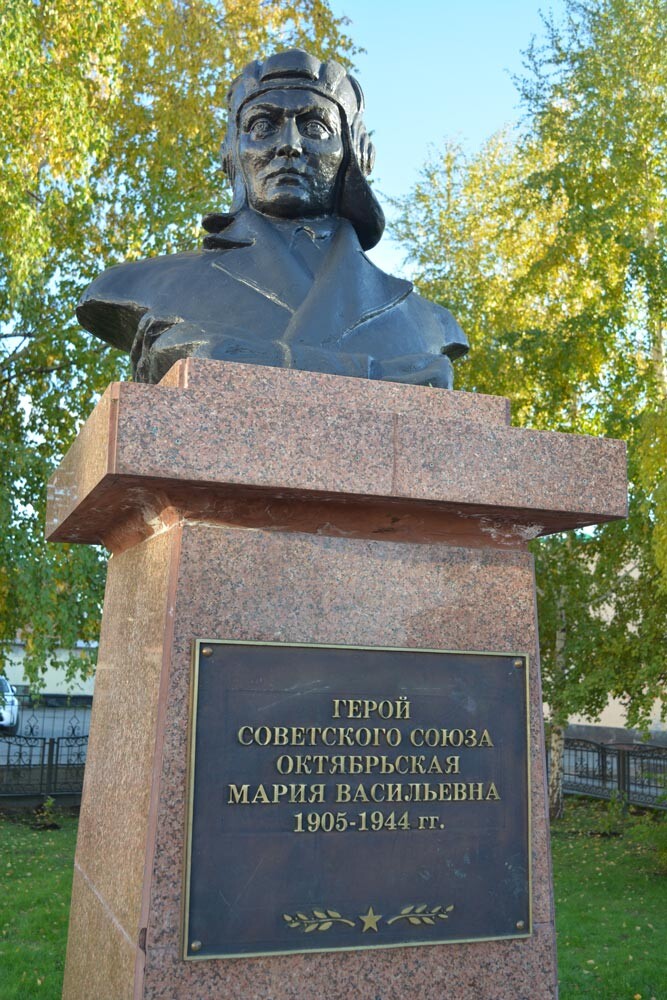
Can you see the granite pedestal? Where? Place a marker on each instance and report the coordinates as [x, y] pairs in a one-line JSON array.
[[261, 504]]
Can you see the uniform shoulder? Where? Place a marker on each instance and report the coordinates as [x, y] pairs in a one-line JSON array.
[[112, 305], [455, 342]]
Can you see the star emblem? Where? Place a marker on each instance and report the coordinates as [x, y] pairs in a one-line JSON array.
[[370, 920]]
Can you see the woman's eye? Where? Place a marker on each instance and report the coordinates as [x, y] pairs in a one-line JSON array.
[[315, 129], [261, 127]]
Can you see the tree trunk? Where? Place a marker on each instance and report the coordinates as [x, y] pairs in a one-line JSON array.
[[558, 721], [556, 749], [658, 359]]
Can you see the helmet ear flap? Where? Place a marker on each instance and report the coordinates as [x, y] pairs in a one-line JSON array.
[[357, 202], [231, 169], [227, 155], [362, 146]]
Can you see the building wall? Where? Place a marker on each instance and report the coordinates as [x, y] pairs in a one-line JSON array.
[[54, 678]]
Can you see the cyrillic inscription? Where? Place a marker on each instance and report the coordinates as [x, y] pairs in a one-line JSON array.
[[388, 775]]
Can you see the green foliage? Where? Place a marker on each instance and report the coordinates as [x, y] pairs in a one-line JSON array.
[[47, 815], [598, 95], [113, 114], [552, 252], [613, 819], [651, 834]]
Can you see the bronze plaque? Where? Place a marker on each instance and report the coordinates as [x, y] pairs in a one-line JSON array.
[[355, 797]]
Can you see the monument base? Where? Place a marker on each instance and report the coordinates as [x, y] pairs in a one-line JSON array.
[[383, 539]]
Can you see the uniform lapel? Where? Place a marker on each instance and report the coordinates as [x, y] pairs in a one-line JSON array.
[[347, 291], [258, 258]]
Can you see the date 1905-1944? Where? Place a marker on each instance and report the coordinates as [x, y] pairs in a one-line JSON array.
[[363, 822]]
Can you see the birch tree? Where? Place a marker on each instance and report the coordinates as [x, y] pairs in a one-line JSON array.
[[112, 116], [551, 250]]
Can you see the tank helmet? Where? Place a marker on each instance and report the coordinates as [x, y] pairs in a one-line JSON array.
[[296, 69]]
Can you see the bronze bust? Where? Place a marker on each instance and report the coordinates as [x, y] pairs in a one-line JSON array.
[[282, 279]]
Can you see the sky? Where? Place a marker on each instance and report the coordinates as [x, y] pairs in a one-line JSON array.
[[436, 70]]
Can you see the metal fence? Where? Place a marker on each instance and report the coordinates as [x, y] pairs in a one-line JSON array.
[[36, 766], [54, 715], [47, 754], [40, 765], [637, 774]]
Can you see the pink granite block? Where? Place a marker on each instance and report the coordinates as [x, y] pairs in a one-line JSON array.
[[85, 465], [115, 836], [105, 973], [257, 504], [309, 447], [257, 383], [541, 473], [273, 437], [303, 588]]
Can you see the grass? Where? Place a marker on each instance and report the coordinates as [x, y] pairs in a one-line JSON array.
[[36, 883], [611, 906]]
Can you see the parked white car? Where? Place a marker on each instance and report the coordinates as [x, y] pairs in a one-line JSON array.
[[9, 709]]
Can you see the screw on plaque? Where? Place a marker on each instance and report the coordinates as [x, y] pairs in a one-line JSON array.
[[518, 662], [520, 924], [206, 651], [195, 946]]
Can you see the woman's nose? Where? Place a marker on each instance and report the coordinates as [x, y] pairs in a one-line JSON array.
[[289, 143]]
